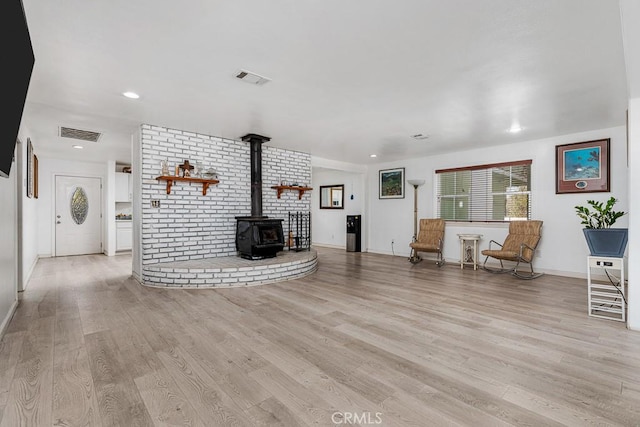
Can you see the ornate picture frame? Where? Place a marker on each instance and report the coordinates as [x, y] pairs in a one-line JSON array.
[[30, 169], [35, 176], [583, 167], [391, 183]]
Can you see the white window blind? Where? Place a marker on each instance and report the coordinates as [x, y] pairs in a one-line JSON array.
[[493, 192]]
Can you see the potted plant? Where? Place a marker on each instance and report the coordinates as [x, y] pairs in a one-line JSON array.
[[597, 219]]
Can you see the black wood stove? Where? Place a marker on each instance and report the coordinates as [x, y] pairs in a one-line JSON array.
[[258, 236]]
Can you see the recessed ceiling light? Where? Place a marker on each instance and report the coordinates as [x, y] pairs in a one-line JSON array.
[[373, 155], [131, 95], [515, 129], [78, 147]]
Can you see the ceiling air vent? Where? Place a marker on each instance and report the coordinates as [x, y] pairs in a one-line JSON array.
[[249, 77], [83, 135]]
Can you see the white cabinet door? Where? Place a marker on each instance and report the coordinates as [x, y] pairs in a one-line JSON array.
[[123, 187], [124, 235]]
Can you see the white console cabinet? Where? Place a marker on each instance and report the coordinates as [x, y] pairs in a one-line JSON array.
[[607, 289]]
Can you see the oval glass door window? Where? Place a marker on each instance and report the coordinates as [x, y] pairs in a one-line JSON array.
[[79, 205]]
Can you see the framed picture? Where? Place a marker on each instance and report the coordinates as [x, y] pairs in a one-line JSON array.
[[30, 176], [391, 184], [583, 167], [35, 176]]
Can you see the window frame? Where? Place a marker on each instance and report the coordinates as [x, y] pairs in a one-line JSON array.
[[489, 193]]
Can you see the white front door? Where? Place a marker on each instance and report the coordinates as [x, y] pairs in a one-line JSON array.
[[78, 215]]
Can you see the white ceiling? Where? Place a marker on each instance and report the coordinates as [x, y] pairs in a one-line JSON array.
[[349, 78]]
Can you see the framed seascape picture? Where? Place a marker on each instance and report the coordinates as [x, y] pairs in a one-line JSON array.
[[583, 167], [391, 185]]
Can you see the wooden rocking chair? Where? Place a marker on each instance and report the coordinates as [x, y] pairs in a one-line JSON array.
[[430, 239], [519, 247]]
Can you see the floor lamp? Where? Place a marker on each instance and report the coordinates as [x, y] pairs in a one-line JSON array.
[[416, 183]]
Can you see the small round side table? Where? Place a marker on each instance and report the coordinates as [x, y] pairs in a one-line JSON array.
[[469, 249]]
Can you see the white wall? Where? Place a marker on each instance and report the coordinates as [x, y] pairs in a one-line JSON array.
[[136, 208], [8, 254], [28, 213], [46, 209], [328, 226], [634, 216], [562, 249], [109, 189], [630, 13]]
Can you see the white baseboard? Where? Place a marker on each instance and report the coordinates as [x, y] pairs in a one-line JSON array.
[[326, 245], [27, 277], [135, 276], [7, 319], [449, 261], [389, 253]]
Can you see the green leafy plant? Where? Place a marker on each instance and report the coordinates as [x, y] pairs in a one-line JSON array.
[[602, 215]]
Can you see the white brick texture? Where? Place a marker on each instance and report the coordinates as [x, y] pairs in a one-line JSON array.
[[188, 225]]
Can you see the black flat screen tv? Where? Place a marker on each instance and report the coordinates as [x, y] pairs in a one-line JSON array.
[[18, 60]]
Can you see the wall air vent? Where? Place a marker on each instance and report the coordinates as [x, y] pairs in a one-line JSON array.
[[253, 78], [83, 135]]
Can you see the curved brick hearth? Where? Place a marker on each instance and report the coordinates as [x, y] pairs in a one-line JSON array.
[[224, 272]]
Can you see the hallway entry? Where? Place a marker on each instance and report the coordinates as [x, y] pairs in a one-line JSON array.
[[78, 210]]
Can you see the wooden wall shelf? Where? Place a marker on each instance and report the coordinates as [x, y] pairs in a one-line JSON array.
[[171, 179], [300, 190]]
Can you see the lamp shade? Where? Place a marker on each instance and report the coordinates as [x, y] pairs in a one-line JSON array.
[[415, 182]]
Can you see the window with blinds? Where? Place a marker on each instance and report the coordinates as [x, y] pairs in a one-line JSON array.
[[495, 192]]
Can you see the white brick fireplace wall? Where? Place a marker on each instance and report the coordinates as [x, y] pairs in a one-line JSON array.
[[190, 226]]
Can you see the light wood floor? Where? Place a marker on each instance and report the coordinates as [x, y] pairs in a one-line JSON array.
[[369, 335]]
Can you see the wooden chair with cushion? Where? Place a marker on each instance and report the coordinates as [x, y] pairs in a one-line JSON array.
[[519, 247], [430, 239]]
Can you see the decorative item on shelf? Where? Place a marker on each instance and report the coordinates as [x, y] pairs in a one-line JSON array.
[[294, 184], [197, 171], [186, 169], [601, 238], [177, 170], [210, 174], [164, 167]]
